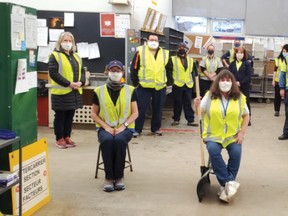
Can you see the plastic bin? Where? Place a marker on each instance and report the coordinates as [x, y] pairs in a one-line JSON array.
[[7, 134]]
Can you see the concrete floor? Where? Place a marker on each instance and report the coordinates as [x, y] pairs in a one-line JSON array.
[[166, 172]]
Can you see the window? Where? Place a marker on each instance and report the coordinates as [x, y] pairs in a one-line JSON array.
[[191, 24], [227, 26]]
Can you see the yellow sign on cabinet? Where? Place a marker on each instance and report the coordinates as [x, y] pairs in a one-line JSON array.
[[35, 177]]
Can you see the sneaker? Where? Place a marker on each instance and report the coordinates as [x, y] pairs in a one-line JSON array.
[[157, 133], [61, 143], [108, 185], [175, 123], [222, 194], [136, 134], [283, 137], [69, 142], [277, 113], [119, 184], [231, 188], [192, 124]]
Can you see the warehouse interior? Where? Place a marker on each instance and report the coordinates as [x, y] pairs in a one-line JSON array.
[[166, 169]]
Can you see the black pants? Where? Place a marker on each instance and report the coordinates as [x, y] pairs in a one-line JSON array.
[[63, 123], [246, 92], [113, 150], [182, 97], [204, 86], [277, 97], [285, 128]]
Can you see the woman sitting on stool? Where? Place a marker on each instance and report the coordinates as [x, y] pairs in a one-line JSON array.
[[114, 110]]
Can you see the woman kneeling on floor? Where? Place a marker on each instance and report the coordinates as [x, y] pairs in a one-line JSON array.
[[114, 110], [226, 117]]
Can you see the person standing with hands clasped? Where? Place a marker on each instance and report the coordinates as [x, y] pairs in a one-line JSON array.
[[210, 66], [242, 69], [67, 78], [183, 69], [114, 109], [225, 120], [151, 69]]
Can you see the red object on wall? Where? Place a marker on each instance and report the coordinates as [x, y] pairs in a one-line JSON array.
[[42, 109]]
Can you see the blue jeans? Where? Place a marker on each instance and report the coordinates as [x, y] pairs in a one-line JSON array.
[[113, 150], [223, 172]]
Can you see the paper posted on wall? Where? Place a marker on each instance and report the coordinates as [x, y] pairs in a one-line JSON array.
[[21, 79]]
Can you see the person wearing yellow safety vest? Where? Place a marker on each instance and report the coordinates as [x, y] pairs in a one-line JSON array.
[[184, 70], [225, 120], [114, 109], [283, 85], [67, 78], [210, 66], [280, 62], [150, 71], [230, 54]]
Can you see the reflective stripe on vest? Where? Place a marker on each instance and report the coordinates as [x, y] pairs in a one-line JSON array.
[[215, 120], [65, 70], [211, 68], [152, 72], [180, 76], [114, 115], [279, 64], [231, 58]]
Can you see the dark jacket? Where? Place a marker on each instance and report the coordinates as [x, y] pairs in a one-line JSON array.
[[243, 75], [73, 100]]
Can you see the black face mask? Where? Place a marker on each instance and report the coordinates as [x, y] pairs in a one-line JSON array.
[[181, 52], [210, 52]]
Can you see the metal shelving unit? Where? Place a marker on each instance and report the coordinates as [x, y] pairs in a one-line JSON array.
[[6, 143]]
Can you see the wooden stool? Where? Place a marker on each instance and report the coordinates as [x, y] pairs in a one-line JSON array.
[[100, 165]]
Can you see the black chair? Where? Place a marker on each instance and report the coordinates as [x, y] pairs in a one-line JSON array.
[[100, 165]]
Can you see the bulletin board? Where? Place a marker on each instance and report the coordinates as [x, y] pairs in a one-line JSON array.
[[87, 29], [194, 50]]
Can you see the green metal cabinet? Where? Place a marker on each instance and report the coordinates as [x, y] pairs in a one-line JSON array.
[[17, 112]]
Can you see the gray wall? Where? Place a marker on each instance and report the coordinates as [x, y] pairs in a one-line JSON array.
[[262, 17]]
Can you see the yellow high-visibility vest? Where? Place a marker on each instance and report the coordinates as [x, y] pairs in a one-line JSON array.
[[115, 115], [211, 68], [220, 127], [180, 75], [279, 64], [152, 72], [65, 69]]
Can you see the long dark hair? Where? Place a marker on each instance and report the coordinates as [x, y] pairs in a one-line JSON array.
[[281, 53], [234, 93]]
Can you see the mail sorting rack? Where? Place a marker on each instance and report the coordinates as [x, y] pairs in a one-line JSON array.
[[257, 88], [269, 90]]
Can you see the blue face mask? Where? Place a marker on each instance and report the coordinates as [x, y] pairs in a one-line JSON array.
[[236, 45], [284, 54]]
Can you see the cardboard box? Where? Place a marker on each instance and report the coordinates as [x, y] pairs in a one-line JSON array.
[[269, 67], [269, 54]]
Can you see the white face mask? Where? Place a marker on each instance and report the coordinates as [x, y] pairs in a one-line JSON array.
[[66, 46], [153, 44], [115, 76], [239, 56], [225, 86]]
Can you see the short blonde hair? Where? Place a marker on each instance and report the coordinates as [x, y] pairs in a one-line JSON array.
[[61, 36]]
